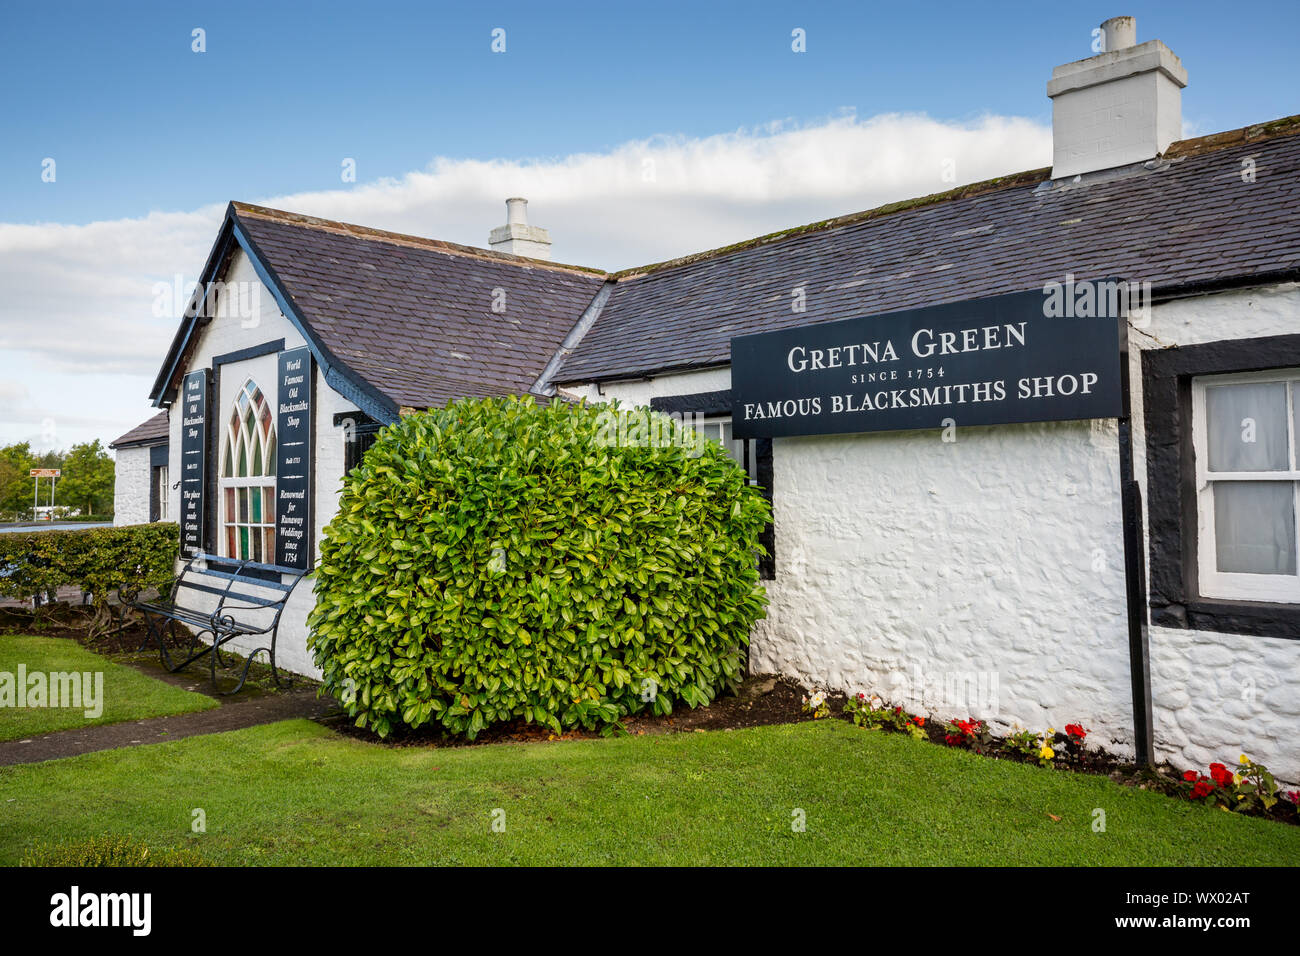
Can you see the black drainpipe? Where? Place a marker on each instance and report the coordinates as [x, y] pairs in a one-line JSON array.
[[1134, 567]]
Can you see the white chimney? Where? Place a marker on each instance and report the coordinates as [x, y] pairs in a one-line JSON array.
[[517, 237], [1122, 106]]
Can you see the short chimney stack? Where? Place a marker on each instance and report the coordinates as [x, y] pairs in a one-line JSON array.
[[1122, 106], [518, 238]]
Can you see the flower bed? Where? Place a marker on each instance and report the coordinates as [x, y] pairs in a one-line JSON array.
[[1250, 790]]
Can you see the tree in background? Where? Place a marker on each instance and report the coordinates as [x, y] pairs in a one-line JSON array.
[[87, 481], [15, 484]]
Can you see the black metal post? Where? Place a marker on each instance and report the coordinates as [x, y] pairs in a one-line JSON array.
[[1134, 569]]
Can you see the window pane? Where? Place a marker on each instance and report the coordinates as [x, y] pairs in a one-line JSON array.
[[1246, 426], [256, 495], [269, 535], [243, 505], [230, 506], [268, 505], [243, 542], [230, 541], [1254, 526], [257, 544], [1295, 417]]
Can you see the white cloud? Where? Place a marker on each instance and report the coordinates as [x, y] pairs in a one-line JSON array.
[[76, 302]]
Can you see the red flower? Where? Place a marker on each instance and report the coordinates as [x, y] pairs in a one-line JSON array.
[[1075, 730], [1190, 776], [898, 710], [919, 721], [1204, 787], [1221, 774]]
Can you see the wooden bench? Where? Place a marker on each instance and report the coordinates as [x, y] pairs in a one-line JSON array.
[[250, 599]]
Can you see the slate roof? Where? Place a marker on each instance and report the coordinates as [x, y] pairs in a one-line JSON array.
[[409, 321], [1184, 220], [155, 431], [413, 317]]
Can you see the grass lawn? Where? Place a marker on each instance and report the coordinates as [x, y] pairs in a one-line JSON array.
[[128, 694], [295, 792]]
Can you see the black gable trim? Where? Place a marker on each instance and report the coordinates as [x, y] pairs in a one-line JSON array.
[[253, 351], [337, 374], [701, 403], [162, 387]]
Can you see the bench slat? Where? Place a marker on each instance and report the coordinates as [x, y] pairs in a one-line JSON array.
[[242, 578], [254, 599], [198, 586], [185, 614]]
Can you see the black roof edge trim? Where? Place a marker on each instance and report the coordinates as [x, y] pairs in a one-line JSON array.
[[1167, 293], [189, 318], [338, 375]]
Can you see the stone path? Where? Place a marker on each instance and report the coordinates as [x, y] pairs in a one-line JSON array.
[[248, 708]]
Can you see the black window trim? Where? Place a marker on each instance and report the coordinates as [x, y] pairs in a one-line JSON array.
[[1174, 593], [359, 438]]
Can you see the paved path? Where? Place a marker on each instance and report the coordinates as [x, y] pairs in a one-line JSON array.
[[68, 594], [245, 709]]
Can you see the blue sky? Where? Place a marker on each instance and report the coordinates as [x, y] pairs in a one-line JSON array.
[[138, 122], [151, 139]]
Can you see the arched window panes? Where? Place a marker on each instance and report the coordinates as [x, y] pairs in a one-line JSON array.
[[248, 478]]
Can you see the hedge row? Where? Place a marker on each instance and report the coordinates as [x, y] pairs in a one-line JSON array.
[[98, 560]]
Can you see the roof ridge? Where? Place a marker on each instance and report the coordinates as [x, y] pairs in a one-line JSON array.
[[1195, 146], [1256, 132], [403, 239], [995, 184]]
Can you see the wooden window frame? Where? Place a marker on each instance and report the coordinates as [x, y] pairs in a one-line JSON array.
[[1237, 586]]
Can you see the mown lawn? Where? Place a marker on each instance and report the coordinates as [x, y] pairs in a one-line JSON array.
[[128, 694], [295, 792]]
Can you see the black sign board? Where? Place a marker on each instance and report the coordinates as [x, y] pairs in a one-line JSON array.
[[1047, 355], [293, 427], [194, 458]]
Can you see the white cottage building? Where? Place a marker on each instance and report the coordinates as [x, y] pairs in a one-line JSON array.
[[958, 570], [141, 483]]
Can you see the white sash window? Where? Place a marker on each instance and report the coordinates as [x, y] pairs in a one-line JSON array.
[[1245, 440], [719, 430]]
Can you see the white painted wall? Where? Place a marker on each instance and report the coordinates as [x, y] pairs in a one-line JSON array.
[[1216, 696], [933, 573], [225, 334], [131, 477]]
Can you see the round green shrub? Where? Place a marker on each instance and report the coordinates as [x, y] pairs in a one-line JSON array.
[[563, 563]]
